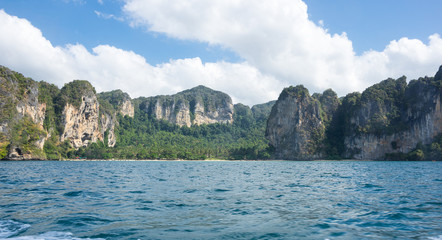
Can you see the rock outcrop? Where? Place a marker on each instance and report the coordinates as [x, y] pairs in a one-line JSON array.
[[32, 112], [390, 120], [22, 117], [108, 122], [113, 103], [196, 106], [392, 117], [81, 123], [295, 127], [387, 120], [127, 108], [31, 107]]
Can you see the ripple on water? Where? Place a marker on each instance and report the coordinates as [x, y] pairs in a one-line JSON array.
[[207, 200], [73, 194], [147, 209], [79, 221], [220, 190]]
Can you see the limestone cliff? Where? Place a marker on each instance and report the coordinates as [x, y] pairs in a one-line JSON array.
[[393, 117], [22, 115], [117, 101], [199, 105], [127, 108], [80, 115], [387, 121], [295, 127], [107, 126], [113, 103]]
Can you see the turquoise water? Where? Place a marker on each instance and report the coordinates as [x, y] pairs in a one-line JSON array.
[[221, 200]]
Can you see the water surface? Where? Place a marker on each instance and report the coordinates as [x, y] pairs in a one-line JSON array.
[[220, 200]]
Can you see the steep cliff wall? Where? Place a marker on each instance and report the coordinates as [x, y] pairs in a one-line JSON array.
[[393, 117], [80, 115], [295, 127], [199, 105], [21, 117], [112, 103], [127, 108], [88, 117], [108, 122], [29, 106]]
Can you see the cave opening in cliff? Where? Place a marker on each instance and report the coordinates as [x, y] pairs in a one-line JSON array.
[[18, 150]]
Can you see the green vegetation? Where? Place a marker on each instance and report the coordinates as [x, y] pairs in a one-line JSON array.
[[4, 145], [73, 92], [25, 133], [47, 94], [329, 102], [145, 137], [299, 92], [111, 101], [201, 96], [7, 95], [387, 107], [261, 111]]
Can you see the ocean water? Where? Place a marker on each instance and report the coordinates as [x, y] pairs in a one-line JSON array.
[[220, 200]]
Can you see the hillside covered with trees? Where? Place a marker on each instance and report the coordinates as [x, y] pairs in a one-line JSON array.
[[391, 120]]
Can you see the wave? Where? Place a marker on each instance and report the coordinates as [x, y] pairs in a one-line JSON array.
[[9, 230], [436, 238]]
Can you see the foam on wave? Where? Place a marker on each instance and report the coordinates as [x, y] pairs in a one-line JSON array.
[[9, 229]]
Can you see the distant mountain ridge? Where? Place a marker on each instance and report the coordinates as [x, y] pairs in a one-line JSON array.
[[391, 120], [75, 116], [196, 106]]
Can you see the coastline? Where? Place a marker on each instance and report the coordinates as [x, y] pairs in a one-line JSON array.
[[206, 160]]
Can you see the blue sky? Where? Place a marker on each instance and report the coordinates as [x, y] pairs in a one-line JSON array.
[[69, 22], [249, 49]]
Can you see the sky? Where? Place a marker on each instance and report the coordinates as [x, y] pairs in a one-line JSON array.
[[249, 49]]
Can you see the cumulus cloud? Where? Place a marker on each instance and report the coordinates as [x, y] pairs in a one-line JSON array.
[[26, 50], [278, 43], [279, 40]]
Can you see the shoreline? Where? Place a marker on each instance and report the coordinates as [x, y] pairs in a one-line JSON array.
[[205, 160]]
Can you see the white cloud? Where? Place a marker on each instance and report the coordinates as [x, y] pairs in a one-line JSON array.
[[279, 44], [279, 40], [24, 49], [108, 16]]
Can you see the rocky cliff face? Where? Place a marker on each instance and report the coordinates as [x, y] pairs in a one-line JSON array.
[[112, 103], [22, 117], [127, 108], [32, 112], [389, 118], [29, 106], [94, 117], [108, 122], [295, 127], [199, 105], [81, 124], [384, 125]]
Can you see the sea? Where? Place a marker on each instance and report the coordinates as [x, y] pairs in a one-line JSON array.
[[55, 200]]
